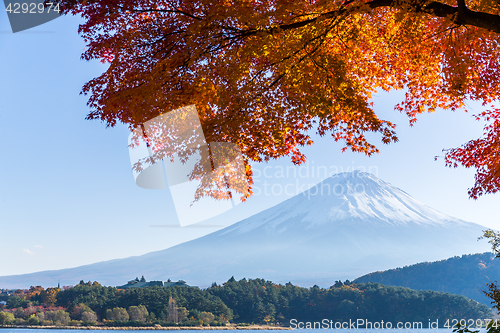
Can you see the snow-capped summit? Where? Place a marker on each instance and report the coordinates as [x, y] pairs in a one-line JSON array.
[[365, 196], [347, 225], [343, 199]]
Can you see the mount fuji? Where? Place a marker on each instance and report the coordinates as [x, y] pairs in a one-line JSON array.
[[346, 226]]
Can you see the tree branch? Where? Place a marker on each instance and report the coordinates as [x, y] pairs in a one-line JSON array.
[[460, 15], [467, 17]]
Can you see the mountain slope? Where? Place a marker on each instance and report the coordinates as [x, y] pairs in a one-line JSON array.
[[346, 226], [466, 275]]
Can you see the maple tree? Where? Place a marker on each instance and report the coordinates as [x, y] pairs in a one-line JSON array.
[[34, 292], [263, 73], [49, 296]]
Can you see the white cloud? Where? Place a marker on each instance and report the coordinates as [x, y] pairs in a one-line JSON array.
[[38, 246], [28, 251]]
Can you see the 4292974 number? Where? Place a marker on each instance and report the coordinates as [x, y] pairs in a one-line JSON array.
[[32, 8], [471, 323]]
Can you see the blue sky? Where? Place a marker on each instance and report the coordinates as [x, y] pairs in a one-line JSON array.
[[67, 194]]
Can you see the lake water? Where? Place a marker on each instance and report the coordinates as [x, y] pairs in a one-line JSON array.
[[41, 330]]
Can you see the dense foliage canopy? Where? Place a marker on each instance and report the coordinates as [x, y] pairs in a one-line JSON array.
[[246, 301], [264, 73], [253, 300]]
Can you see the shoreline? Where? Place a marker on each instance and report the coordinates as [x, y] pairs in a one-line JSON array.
[[164, 328]]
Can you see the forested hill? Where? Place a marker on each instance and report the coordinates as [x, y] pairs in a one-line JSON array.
[[466, 275], [243, 301], [252, 299]]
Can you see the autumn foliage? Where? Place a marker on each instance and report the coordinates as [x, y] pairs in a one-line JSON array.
[[482, 154], [264, 73]]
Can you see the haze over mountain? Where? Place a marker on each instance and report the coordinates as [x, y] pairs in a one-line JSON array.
[[346, 226]]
